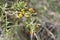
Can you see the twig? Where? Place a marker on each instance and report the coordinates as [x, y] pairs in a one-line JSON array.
[[52, 35]]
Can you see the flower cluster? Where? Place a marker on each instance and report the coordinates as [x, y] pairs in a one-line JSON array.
[[27, 14]]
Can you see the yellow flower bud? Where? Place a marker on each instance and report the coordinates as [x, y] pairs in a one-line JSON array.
[[23, 10], [27, 15], [20, 15], [31, 10]]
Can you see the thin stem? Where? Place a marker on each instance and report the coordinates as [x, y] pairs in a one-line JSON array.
[[6, 20], [31, 36]]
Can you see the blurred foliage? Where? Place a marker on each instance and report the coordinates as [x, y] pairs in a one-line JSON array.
[[15, 12]]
